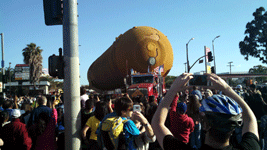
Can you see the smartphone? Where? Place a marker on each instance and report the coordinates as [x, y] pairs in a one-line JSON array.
[[199, 80], [137, 108]]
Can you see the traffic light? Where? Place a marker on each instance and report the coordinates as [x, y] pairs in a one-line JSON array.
[[53, 11], [212, 69], [210, 57]]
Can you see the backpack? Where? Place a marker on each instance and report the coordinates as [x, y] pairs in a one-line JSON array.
[[111, 133]]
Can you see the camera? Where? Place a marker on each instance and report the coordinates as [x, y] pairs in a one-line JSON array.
[[199, 80], [137, 108]]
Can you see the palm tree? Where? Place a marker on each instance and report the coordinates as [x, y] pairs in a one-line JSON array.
[[33, 56]]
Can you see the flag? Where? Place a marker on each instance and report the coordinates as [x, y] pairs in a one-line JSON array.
[[159, 69]]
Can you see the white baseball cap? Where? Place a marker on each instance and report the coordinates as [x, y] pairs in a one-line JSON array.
[[15, 113]]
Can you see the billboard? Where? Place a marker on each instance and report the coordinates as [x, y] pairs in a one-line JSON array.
[[22, 72]]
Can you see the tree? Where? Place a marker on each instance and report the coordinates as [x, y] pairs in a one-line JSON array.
[[169, 80], [10, 75], [54, 83], [254, 43], [33, 56], [259, 70]]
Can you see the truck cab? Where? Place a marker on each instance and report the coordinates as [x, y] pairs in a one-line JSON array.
[[146, 84]]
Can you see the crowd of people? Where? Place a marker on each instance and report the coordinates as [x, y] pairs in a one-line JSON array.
[[215, 117]]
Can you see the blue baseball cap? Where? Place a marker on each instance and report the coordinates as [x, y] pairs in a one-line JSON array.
[[181, 107]]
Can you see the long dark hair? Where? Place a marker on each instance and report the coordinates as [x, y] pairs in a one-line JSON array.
[[60, 115], [3, 116], [42, 122], [101, 110], [193, 106], [122, 104]]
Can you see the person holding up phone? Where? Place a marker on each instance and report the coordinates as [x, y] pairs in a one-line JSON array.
[[146, 135], [221, 113]]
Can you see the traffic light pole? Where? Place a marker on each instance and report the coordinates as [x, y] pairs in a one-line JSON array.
[[3, 65], [190, 67], [72, 103]]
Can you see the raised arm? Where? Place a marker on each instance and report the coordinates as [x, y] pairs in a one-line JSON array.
[[159, 118], [16, 102], [249, 119]]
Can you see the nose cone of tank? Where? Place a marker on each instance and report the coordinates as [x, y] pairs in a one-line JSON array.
[[151, 49]]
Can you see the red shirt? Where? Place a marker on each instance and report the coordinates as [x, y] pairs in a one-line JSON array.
[[15, 136], [180, 125]]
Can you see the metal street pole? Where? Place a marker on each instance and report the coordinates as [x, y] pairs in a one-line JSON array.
[[3, 64], [214, 53], [188, 66], [71, 76], [9, 78]]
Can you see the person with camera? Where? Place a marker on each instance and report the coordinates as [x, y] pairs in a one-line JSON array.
[[221, 115], [146, 136]]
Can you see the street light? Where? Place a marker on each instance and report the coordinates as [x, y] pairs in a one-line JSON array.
[[187, 54], [214, 53]]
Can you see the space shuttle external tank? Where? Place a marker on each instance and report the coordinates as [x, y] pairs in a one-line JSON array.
[[139, 48]]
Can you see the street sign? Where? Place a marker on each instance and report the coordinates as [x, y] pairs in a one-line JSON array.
[[137, 93]]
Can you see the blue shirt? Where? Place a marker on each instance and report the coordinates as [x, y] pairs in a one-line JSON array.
[[35, 113], [131, 132], [1, 108]]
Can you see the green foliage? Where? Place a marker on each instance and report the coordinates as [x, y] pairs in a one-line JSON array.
[[259, 70], [169, 80], [54, 83], [10, 75], [254, 43]]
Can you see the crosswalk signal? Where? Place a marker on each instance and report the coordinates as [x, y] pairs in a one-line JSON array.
[[53, 65], [56, 65], [210, 57]]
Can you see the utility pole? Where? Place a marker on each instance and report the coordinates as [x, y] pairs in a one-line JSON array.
[[3, 65], [230, 65], [185, 67], [71, 75]]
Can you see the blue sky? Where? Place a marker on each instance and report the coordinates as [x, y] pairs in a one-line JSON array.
[[101, 22]]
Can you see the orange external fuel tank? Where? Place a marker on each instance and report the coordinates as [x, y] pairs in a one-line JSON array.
[[131, 50]]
